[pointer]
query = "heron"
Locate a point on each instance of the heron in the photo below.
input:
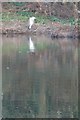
(79, 11)
(31, 22)
(31, 46)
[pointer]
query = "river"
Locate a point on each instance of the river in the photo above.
(42, 84)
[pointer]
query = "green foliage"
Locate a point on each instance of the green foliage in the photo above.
(24, 16)
(41, 19)
(24, 13)
(8, 17)
(72, 21)
(78, 22)
(19, 3)
(0, 16)
(63, 21)
(52, 18)
(13, 17)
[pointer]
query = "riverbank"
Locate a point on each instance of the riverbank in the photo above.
(53, 29)
(55, 20)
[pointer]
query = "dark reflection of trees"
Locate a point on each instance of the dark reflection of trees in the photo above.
(40, 85)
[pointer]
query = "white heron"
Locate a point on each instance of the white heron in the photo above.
(79, 11)
(31, 46)
(31, 22)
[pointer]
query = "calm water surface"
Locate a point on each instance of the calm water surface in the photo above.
(40, 85)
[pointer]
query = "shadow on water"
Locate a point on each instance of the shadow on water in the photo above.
(43, 84)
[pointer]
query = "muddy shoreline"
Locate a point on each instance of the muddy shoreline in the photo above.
(54, 30)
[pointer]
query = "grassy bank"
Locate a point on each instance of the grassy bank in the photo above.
(24, 16)
(17, 22)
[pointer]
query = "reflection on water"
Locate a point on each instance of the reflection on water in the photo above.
(42, 85)
(31, 46)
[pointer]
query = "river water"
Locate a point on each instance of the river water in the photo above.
(43, 84)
